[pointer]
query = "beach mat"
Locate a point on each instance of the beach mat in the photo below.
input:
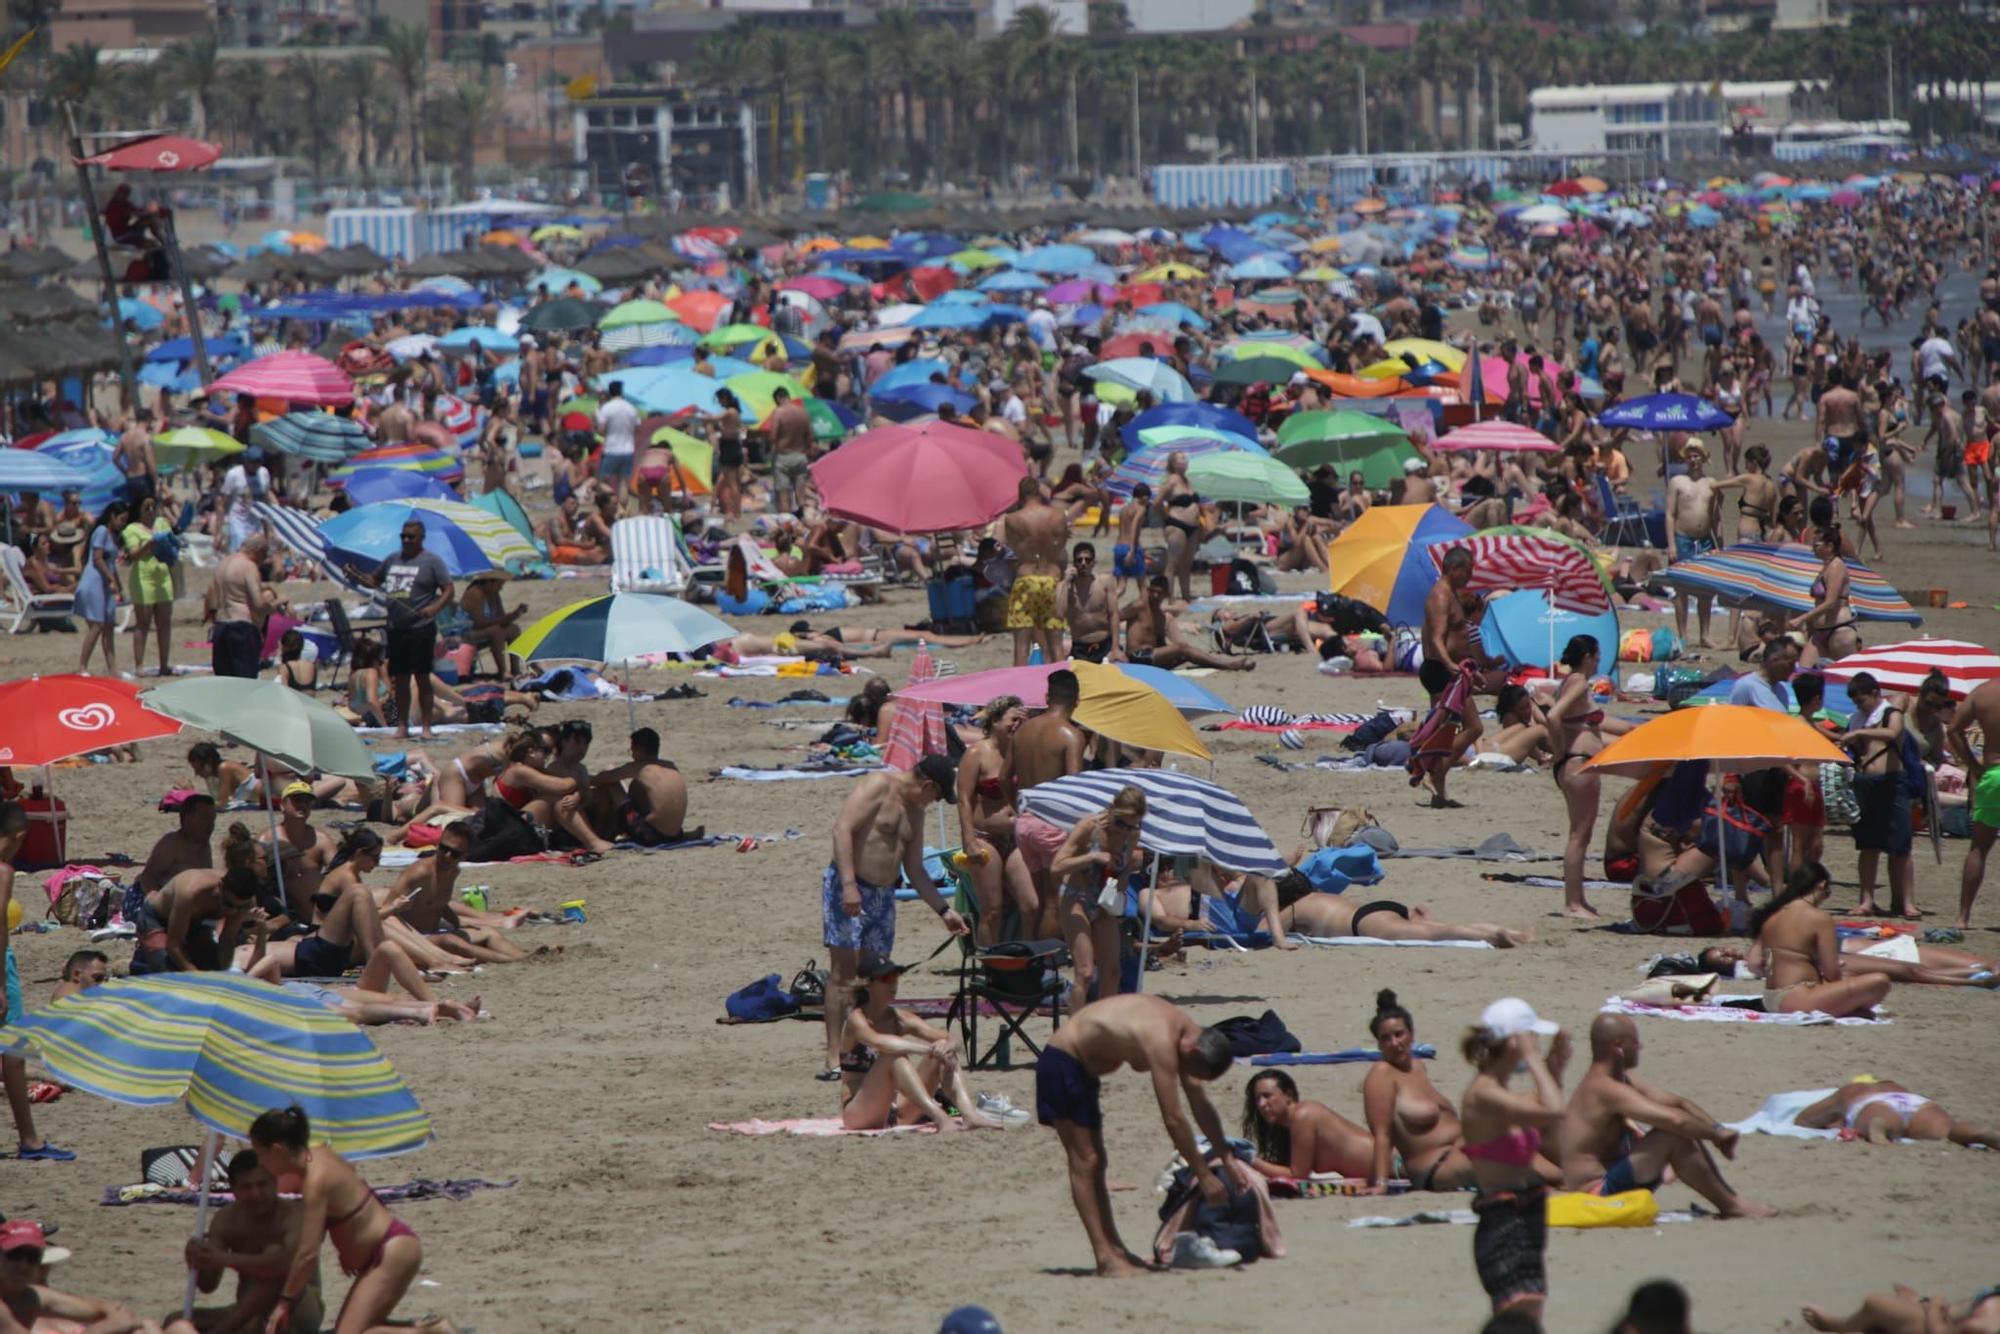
(1399, 944)
(1423, 1051)
(1733, 1014)
(810, 1127)
(1776, 1116)
(1466, 1218)
(409, 1192)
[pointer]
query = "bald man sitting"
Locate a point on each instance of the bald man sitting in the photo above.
(1599, 1153)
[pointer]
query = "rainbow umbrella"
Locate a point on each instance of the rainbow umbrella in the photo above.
(1765, 574)
(414, 457)
(1380, 558)
(754, 391)
(467, 538)
(1122, 707)
(618, 628)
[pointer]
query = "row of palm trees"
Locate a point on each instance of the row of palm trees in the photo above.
(908, 98)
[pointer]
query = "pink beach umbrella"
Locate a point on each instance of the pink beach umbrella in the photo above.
(930, 477)
(294, 377)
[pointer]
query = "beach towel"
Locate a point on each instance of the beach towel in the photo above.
(1493, 848)
(1775, 1117)
(1423, 1051)
(409, 1192)
(1330, 1185)
(1400, 944)
(1436, 739)
(1552, 881)
(1725, 1013)
(1466, 1218)
(831, 701)
(748, 774)
(822, 1127)
(441, 729)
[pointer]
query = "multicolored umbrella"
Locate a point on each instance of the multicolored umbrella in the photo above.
(1902, 668)
(1524, 558)
(465, 537)
(1148, 463)
(927, 478)
(1765, 574)
(755, 389)
(293, 377)
(1185, 816)
(1120, 706)
(618, 628)
(231, 1048)
(1380, 558)
(415, 457)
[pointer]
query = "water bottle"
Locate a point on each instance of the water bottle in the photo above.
(1035, 658)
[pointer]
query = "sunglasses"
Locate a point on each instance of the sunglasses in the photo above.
(1127, 825)
(23, 1256)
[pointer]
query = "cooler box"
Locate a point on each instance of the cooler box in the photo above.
(951, 600)
(48, 833)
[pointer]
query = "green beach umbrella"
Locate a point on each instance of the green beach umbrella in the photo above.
(1337, 424)
(1253, 479)
(628, 313)
(1264, 368)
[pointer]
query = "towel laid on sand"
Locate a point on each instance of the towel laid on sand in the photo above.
(1775, 1117)
(1423, 1051)
(409, 1192)
(815, 1127)
(1399, 944)
(1553, 881)
(1465, 1217)
(1731, 1014)
(441, 729)
(746, 774)
(1493, 848)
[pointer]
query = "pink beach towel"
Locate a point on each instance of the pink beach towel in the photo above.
(815, 1127)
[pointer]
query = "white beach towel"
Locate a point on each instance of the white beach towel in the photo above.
(1775, 1117)
(1730, 1014)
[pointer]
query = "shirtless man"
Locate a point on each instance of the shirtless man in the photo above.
(1839, 426)
(134, 457)
(1806, 473)
(1418, 486)
(1151, 1036)
(1599, 1154)
(1153, 636)
(26, 1304)
(1128, 557)
(791, 451)
(242, 601)
(1447, 642)
(654, 805)
(255, 1236)
(1982, 773)
(188, 847)
(395, 424)
(1047, 747)
(422, 899)
(1038, 534)
(1694, 509)
(1948, 432)
(877, 840)
(304, 851)
(1086, 603)
(534, 395)
(82, 971)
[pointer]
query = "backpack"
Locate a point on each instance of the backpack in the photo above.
(1916, 778)
(1243, 578)
(761, 1002)
(499, 833)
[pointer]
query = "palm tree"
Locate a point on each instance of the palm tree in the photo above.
(308, 79)
(194, 68)
(776, 54)
(246, 94)
(899, 41)
(75, 77)
(363, 86)
(408, 45)
(461, 114)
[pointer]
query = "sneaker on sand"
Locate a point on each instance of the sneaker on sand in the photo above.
(1194, 1251)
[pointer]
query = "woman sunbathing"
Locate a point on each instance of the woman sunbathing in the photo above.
(1296, 1139)
(1415, 1128)
(231, 781)
(891, 1062)
(1299, 909)
(1935, 966)
(1904, 1312)
(1882, 1111)
(1796, 954)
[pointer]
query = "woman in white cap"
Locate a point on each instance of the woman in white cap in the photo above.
(1503, 1136)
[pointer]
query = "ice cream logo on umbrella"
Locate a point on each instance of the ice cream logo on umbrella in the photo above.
(88, 718)
(169, 158)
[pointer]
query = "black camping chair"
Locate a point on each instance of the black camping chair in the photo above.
(1019, 978)
(347, 632)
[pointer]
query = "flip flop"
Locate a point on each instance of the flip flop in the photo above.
(48, 1153)
(829, 1075)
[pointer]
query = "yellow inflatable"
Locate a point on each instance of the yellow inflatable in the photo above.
(1631, 1208)
(13, 916)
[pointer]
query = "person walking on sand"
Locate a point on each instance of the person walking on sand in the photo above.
(1038, 535)
(1447, 641)
(1149, 1035)
(1600, 1155)
(877, 839)
(1982, 772)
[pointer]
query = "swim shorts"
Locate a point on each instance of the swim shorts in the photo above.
(16, 1008)
(874, 929)
(1805, 804)
(1031, 605)
(1977, 453)
(1128, 562)
(1065, 1091)
(1040, 840)
(1883, 821)
(1434, 676)
(1687, 548)
(1986, 799)
(1619, 1178)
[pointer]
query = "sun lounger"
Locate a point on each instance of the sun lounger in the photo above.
(647, 556)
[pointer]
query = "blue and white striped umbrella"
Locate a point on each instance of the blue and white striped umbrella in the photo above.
(91, 452)
(27, 470)
(319, 436)
(1185, 816)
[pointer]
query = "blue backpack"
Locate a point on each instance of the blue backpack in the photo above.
(761, 1002)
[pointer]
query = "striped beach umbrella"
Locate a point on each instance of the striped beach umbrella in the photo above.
(293, 377)
(1503, 436)
(460, 418)
(1901, 668)
(319, 436)
(1526, 559)
(1148, 463)
(415, 457)
(1185, 816)
(1765, 574)
(466, 537)
(917, 729)
(618, 628)
(231, 1048)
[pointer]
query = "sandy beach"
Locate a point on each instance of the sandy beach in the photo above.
(593, 1082)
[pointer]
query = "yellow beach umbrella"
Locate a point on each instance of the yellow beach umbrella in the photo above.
(1426, 349)
(1171, 272)
(1130, 711)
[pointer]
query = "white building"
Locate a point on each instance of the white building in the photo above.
(1662, 120)
(1159, 16)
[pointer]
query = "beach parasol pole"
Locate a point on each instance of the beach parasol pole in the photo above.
(277, 848)
(1145, 932)
(205, 1165)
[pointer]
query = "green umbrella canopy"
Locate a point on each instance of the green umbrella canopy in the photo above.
(1256, 370)
(1249, 478)
(269, 717)
(1337, 425)
(1380, 459)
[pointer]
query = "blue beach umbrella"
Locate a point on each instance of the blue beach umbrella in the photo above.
(1521, 626)
(319, 436)
(1185, 694)
(618, 628)
(914, 372)
(1667, 412)
(468, 540)
(368, 486)
(481, 336)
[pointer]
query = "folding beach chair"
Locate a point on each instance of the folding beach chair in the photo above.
(647, 556)
(1018, 978)
(1625, 524)
(23, 606)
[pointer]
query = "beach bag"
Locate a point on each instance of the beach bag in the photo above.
(167, 548)
(500, 833)
(1349, 616)
(1637, 646)
(1836, 785)
(1242, 581)
(1628, 1208)
(761, 1002)
(808, 989)
(1244, 1223)
(1263, 1036)
(1335, 826)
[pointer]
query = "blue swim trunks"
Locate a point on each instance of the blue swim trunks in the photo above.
(873, 930)
(15, 1006)
(1128, 562)
(1686, 548)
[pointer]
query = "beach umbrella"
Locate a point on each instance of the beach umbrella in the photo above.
(187, 445)
(142, 315)
(292, 377)
(1171, 313)
(916, 371)
(1667, 412)
(32, 470)
(1503, 436)
(917, 728)
(467, 538)
(1186, 694)
(735, 335)
(1166, 384)
(1901, 668)
(44, 719)
(1058, 258)
(229, 1048)
(1255, 479)
(1119, 705)
(1148, 463)
(1255, 370)
(619, 627)
(820, 286)
(550, 281)
(1012, 280)
(1528, 631)
(416, 456)
(694, 459)
(1379, 559)
(555, 231)
(503, 506)
(928, 478)
(903, 402)
(1180, 435)
(699, 309)
(1781, 577)
(269, 717)
(1417, 351)
(627, 313)
(1374, 446)
(1337, 425)
(1732, 737)
(1171, 272)
(1291, 348)
(1529, 558)
(563, 315)
(755, 388)
(321, 437)
(671, 389)
(1188, 414)
(480, 336)
(1536, 215)
(368, 486)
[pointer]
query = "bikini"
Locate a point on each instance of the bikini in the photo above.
(1822, 636)
(1509, 1247)
(1774, 997)
(1516, 1148)
(1595, 718)
(1905, 1105)
(513, 796)
(397, 1228)
(1179, 502)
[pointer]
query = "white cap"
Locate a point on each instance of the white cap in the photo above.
(1510, 1015)
(1414, 466)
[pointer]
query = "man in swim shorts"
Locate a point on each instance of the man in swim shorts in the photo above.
(646, 798)
(877, 840)
(1038, 535)
(1599, 1155)
(1145, 1033)
(1982, 769)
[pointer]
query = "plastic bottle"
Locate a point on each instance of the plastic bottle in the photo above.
(1035, 658)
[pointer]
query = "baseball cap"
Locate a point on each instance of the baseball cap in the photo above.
(20, 1234)
(943, 776)
(298, 788)
(873, 966)
(1510, 1015)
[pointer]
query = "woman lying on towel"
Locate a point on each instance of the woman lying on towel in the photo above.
(1882, 1111)
(1904, 1312)
(1296, 1138)
(1935, 965)
(1796, 954)
(1290, 905)
(1414, 1128)
(890, 1061)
